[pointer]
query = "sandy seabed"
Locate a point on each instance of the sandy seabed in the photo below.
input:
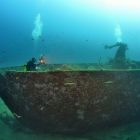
(10, 130)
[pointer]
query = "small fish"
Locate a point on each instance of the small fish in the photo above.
(17, 116)
(43, 40)
(17, 78)
(70, 83)
(108, 82)
(3, 51)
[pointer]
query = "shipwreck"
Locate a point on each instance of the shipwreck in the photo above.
(69, 99)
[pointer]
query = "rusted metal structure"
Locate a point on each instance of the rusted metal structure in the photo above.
(72, 101)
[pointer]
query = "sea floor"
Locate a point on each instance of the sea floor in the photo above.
(12, 130)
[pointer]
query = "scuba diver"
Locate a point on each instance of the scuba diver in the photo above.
(31, 65)
(119, 61)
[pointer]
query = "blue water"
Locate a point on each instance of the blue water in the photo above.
(74, 31)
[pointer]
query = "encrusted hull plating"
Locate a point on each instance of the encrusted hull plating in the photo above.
(72, 101)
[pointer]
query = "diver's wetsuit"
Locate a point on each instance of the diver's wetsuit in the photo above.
(121, 52)
(119, 60)
(31, 66)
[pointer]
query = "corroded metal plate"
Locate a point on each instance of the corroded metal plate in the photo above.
(72, 101)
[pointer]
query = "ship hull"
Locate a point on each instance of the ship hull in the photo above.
(72, 101)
